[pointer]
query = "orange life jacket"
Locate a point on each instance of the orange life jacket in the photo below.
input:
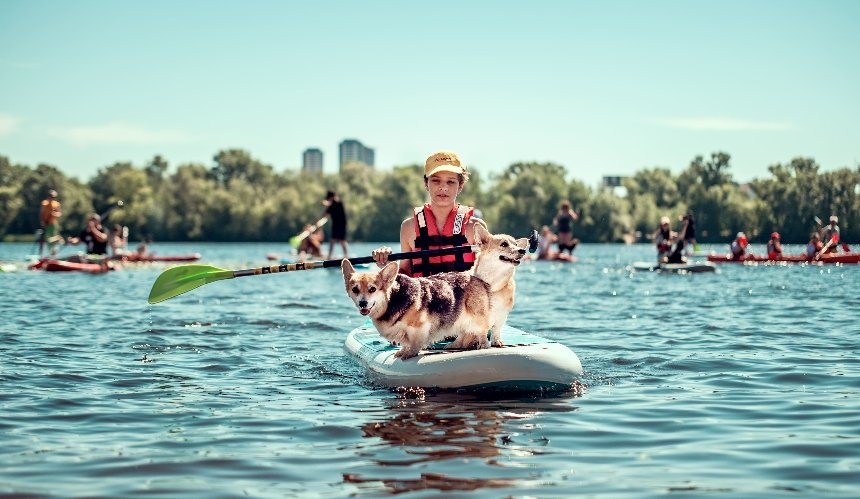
(427, 237)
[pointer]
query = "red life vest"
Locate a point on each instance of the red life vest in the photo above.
(427, 237)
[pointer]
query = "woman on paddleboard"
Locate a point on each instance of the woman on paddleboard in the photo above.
(563, 220)
(441, 223)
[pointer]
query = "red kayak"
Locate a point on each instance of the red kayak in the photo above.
(134, 257)
(50, 265)
(828, 258)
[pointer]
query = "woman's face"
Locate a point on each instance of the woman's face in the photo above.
(443, 187)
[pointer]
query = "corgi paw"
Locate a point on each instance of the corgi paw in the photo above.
(498, 342)
(404, 354)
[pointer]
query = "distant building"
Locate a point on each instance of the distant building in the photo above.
(353, 150)
(612, 181)
(312, 160)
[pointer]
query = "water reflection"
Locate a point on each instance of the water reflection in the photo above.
(493, 436)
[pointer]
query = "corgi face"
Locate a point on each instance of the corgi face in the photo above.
(501, 246)
(369, 291)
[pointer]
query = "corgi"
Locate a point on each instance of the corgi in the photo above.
(417, 312)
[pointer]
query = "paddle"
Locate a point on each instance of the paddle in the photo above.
(184, 278)
(823, 250)
(104, 216)
(297, 239)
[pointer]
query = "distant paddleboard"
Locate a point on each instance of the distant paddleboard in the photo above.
(676, 268)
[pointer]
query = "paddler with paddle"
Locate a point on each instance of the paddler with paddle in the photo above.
(335, 211)
(441, 223)
(830, 237)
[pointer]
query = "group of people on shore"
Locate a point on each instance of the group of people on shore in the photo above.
(94, 236)
(823, 241)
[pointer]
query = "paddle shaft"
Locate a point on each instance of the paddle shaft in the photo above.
(327, 264)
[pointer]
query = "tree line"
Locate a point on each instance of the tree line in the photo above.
(239, 198)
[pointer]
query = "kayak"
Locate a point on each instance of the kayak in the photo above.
(134, 257)
(50, 265)
(8, 267)
(828, 258)
(674, 268)
(527, 362)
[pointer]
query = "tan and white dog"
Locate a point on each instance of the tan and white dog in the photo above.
(417, 312)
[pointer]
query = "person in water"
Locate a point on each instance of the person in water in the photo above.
(336, 212)
(774, 247)
(94, 236)
(441, 223)
(739, 246)
(563, 221)
(49, 218)
(830, 235)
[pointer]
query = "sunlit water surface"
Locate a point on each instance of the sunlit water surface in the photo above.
(739, 383)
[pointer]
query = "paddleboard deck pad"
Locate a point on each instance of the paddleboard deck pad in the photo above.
(527, 362)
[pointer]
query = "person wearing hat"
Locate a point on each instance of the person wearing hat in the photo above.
(739, 246)
(774, 247)
(49, 218)
(335, 211)
(663, 240)
(830, 236)
(441, 223)
(94, 236)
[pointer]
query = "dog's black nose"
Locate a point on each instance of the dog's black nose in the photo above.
(362, 303)
(521, 251)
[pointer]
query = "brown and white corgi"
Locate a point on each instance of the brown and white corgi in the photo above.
(417, 312)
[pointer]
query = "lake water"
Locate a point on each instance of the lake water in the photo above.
(740, 383)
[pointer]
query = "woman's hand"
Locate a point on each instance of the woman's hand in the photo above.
(380, 256)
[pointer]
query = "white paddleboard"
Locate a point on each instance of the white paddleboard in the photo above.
(527, 362)
(678, 268)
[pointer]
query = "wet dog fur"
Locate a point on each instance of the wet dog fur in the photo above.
(417, 312)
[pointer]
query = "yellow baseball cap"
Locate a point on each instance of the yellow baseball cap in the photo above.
(443, 161)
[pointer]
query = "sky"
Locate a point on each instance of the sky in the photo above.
(600, 87)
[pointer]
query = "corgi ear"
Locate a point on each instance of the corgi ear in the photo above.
(347, 268)
(388, 275)
(482, 235)
(523, 243)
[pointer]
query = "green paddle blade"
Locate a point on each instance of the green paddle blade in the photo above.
(295, 241)
(183, 278)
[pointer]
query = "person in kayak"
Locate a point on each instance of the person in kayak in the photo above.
(94, 236)
(441, 223)
(563, 221)
(830, 236)
(814, 245)
(336, 212)
(118, 240)
(49, 218)
(739, 246)
(774, 247)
